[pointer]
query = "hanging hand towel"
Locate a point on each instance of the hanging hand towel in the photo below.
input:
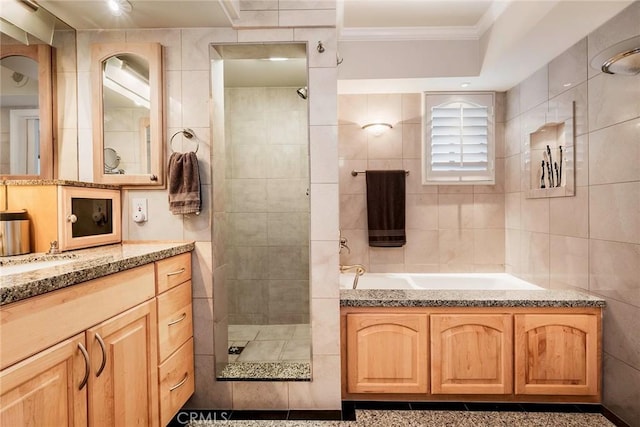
(184, 184)
(386, 208)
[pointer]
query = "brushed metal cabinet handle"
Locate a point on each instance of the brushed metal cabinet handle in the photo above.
(104, 354)
(184, 380)
(180, 319)
(85, 355)
(175, 273)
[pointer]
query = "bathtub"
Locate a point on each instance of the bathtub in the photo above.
(440, 281)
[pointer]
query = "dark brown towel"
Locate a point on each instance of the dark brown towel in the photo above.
(184, 184)
(386, 208)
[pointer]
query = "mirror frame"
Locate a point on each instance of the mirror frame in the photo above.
(152, 52)
(42, 54)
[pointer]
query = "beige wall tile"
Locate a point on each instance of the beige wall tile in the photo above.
(352, 142)
(171, 42)
(203, 325)
(456, 246)
(621, 340)
(512, 174)
(512, 210)
(348, 183)
(569, 262)
(307, 18)
(358, 242)
(411, 141)
(68, 150)
(534, 258)
(387, 145)
(353, 212)
(489, 246)
(322, 93)
(202, 271)
(621, 392)
(488, 211)
(512, 104)
(614, 153)
(455, 211)
(535, 214)
(195, 88)
(614, 269)
(513, 136)
(560, 108)
(568, 215)
(324, 274)
(421, 247)
(325, 326)
(251, 395)
(195, 45)
(160, 221)
(323, 393)
(265, 35)
(534, 89)
(329, 38)
(324, 212)
(324, 154)
(568, 69)
(411, 108)
(613, 100)
(386, 256)
(422, 211)
(582, 160)
(258, 18)
(209, 393)
(512, 251)
(614, 212)
(352, 110)
(384, 108)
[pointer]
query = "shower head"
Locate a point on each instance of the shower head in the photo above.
(302, 92)
(621, 58)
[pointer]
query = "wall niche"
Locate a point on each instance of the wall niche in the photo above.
(550, 157)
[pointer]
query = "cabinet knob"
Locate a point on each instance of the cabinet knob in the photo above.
(153, 178)
(72, 219)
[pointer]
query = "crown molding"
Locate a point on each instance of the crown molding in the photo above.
(409, 33)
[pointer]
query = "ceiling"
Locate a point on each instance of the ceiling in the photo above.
(399, 45)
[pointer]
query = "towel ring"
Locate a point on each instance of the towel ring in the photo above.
(187, 133)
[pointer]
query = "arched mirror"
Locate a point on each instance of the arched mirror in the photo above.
(127, 114)
(26, 112)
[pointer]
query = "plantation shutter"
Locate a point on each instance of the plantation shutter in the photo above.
(459, 143)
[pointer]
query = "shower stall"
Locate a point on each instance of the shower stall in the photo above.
(264, 225)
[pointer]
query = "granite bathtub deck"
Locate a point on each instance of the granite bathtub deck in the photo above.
(467, 298)
(265, 371)
(86, 264)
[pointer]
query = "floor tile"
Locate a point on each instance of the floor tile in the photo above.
(261, 351)
(275, 332)
(243, 332)
(296, 350)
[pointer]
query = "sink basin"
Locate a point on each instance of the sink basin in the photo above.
(6, 270)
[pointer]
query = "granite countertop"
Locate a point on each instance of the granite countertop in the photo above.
(467, 298)
(83, 265)
(62, 182)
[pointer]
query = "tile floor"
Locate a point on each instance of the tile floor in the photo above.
(271, 343)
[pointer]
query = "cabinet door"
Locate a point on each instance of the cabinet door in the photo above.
(123, 385)
(387, 353)
(471, 354)
(557, 354)
(45, 388)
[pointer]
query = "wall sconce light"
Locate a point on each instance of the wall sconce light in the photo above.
(377, 128)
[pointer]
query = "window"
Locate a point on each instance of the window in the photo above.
(458, 139)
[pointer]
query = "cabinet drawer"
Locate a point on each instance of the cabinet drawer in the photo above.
(172, 271)
(175, 319)
(176, 381)
(33, 324)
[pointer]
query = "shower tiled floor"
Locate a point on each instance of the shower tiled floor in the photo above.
(271, 343)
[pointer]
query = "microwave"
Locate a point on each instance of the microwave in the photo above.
(74, 217)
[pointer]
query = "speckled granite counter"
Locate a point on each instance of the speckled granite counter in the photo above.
(265, 371)
(465, 298)
(62, 182)
(85, 264)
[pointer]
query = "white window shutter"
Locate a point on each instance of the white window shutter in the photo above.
(459, 144)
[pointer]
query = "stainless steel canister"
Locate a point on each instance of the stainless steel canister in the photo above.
(14, 233)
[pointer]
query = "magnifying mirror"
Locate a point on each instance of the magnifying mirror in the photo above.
(111, 161)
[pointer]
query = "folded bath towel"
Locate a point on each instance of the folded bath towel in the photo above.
(386, 208)
(184, 184)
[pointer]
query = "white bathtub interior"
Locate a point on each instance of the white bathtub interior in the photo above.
(437, 281)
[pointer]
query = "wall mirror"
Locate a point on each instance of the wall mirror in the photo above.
(261, 217)
(127, 114)
(550, 156)
(26, 111)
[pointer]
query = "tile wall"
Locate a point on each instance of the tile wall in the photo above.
(267, 158)
(456, 228)
(591, 241)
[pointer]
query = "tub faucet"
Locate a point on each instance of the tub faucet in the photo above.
(359, 268)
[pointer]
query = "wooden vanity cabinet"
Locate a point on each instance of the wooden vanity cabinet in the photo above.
(114, 321)
(471, 353)
(557, 354)
(387, 353)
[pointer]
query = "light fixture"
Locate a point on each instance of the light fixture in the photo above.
(277, 58)
(302, 92)
(566, 84)
(377, 128)
(465, 84)
(621, 58)
(118, 7)
(122, 79)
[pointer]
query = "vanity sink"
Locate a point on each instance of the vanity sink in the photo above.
(27, 264)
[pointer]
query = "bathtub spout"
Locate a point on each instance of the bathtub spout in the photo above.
(359, 268)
